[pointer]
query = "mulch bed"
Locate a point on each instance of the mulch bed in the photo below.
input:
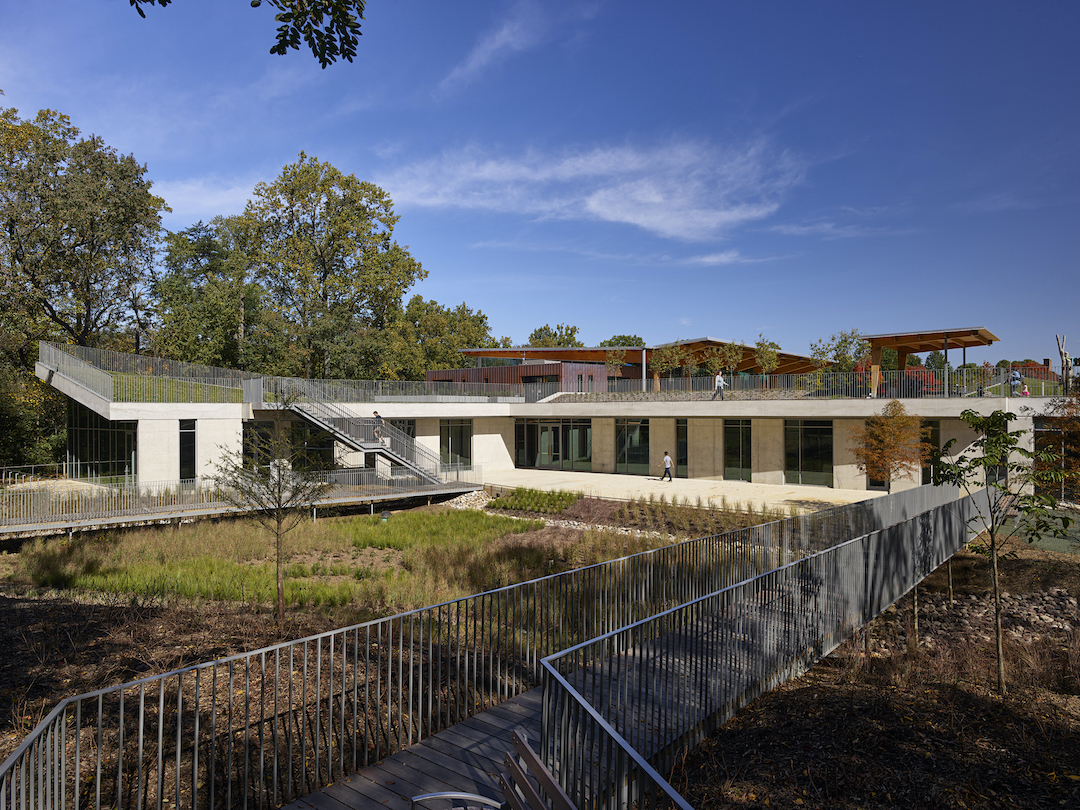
(902, 732)
(893, 734)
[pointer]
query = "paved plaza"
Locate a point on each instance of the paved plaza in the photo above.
(625, 487)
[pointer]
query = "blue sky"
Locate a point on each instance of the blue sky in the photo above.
(671, 170)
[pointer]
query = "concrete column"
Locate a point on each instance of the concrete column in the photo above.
(767, 451)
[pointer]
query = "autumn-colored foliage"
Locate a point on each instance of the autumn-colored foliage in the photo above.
(891, 443)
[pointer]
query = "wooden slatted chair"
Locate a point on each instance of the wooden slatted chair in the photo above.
(518, 792)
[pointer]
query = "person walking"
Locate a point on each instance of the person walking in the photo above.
(720, 385)
(666, 463)
(378, 427)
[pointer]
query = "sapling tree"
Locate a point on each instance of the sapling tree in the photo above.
(766, 355)
(276, 476)
(891, 444)
(1019, 503)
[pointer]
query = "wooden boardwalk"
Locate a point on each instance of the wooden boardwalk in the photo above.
(663, 688)
(466, 757)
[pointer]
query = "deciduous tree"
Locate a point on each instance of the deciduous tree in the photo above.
(330, 28)
(843, 350)
(562, 335)
(766, 355)
(432, 336)
(1020, 495)
(622, 341)
(77, 225)
(323, 249)
(891, 444)
(273, 478)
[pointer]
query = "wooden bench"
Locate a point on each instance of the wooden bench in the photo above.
(518, 792)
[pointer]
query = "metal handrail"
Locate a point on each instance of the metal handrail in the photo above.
(635, 698)
(277, 723)
(87, 501)
(366, 430)
(191, 382)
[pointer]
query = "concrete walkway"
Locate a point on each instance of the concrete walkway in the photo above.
(625, 487)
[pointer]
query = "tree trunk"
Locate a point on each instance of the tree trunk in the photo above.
(997, 614)
(280, 578)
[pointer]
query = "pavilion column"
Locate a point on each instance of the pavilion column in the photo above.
(901, 359)
(875, 369)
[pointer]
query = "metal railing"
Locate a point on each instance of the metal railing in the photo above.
(620, 709)
(304, 396)
(121, 377)
(262, 728)
(913, 383)
(80, 502)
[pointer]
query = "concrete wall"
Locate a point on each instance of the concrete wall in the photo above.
(427, 433)
(846, 474)
(603, 445)
(214, 438)
(493, 443)
(767, 451)
(159, 449)
(661, 438)
(705, 451)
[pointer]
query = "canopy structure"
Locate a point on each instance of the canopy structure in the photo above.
(907, 343)
(642, 355)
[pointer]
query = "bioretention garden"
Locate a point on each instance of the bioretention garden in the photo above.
(914, 723)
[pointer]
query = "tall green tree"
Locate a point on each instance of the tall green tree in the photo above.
(322, 246)
(432, 336)
(1021, 500)
(562, 335)
(330, 28)
(622, 341)
(207, 302)
(78, 225)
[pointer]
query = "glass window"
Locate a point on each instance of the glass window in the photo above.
(632, 446)
(406, 426)
(98, 448)
(187, 449)
(737, 461)
(455, 441)
(934, 440)
(564, 444)
(808, 456)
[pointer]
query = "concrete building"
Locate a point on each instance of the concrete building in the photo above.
(156, 420)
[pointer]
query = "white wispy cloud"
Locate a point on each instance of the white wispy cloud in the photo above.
(681, 189)
(524, 28)
(716, 259)
(205, 197)
(831, 230)
(994, 203)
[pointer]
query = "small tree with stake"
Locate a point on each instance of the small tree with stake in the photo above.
(274, 478)
(1019, 503)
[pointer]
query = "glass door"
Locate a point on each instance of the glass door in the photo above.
(550, 446)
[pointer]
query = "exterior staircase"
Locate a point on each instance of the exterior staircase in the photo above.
(366, 434)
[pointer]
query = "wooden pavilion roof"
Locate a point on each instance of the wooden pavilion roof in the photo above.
(789, 363)
(918, 342)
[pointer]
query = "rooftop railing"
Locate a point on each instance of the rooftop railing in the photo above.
(265, 727)
(120, 377)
